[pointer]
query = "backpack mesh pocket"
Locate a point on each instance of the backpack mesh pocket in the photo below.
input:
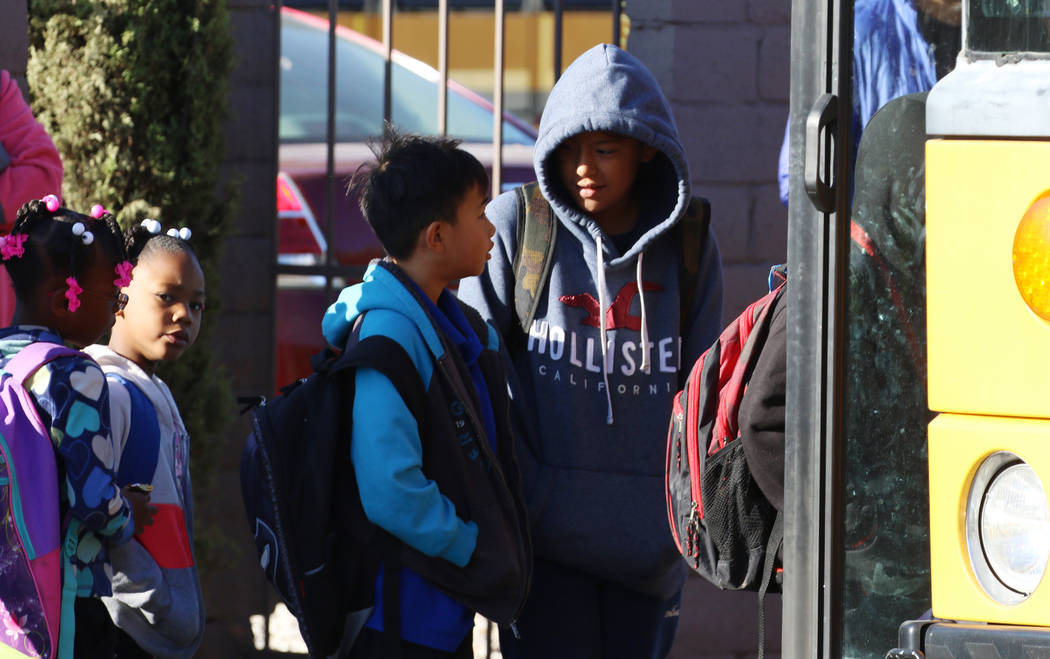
(737, 516)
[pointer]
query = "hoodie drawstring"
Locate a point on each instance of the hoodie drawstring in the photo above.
(646, 360)
(603, 299)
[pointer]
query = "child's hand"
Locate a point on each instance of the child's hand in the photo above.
(140, 507)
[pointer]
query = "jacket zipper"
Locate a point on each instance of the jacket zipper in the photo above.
(692, 418)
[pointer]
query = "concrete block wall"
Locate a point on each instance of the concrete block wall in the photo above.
(14, 40)
(724, 66)
(235, 590)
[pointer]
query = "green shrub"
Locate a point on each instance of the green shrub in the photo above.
(134, 94)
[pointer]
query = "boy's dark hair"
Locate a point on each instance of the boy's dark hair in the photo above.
(413, 181)
(52, 248)
(140, 243)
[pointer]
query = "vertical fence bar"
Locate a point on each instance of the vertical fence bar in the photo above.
(388, 51)
(617, 10)
(329, 214)
(497, 169)
(442, 67)
(497, 102)
(559, 8)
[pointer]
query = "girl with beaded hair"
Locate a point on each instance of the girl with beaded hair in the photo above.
(156, 608)
(67, 269)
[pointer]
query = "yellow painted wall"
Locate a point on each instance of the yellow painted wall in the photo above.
(529, 44)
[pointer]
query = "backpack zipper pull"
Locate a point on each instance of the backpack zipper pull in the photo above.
(514, 629)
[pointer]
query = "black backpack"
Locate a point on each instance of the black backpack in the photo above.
(315, 544)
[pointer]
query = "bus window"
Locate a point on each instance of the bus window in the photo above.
(905, 47)
(997, 27)
(886, 561)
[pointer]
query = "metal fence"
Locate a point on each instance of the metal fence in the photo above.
(331, 269)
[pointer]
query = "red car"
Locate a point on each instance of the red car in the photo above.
(302, 182)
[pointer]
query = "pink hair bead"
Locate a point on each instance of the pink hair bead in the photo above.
(97, 211)
(51, 202)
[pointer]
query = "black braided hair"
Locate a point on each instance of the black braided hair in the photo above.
(52, 249)
(139, 243)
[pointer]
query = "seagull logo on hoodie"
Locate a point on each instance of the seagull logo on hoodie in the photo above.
(618, 315)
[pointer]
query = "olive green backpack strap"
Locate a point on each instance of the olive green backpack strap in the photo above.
(692, 238)
(537, 228)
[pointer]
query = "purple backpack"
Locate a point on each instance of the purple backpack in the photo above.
(30, 551)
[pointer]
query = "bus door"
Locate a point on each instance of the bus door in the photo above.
(857, 559)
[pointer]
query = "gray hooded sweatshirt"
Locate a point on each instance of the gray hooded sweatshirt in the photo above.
(157, 597)
(593, 418)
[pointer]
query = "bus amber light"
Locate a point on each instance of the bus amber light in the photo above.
(1031, 256)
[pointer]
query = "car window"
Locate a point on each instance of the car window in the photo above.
(359, 93)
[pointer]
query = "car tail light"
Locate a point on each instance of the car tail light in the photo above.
(299, 238)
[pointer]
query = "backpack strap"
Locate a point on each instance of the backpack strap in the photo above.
(692, 239)
(25, 363)
(537, 230)
(753, 325)
(773, 547)
(388, 357)
(138, 460)
(27, 360)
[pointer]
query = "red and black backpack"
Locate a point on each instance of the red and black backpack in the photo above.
(723, 524)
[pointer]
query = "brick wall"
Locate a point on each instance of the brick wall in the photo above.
(724, 66)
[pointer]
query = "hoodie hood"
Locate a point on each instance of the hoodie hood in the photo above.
(608, 89)
(381, 288)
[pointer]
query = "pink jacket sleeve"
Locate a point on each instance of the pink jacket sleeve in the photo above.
(36, 168)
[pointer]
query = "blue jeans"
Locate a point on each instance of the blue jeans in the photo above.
(574, 615)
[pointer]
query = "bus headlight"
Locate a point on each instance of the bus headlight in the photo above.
(1031, 256)
(1007, 528)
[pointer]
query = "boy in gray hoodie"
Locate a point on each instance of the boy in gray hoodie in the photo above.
(595, 372)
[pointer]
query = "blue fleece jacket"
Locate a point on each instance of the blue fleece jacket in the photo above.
(593, 421)
(387, 456)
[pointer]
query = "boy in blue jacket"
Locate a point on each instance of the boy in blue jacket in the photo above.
(601, 361)
(447, 489)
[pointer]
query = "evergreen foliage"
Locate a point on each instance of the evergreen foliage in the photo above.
(134, 95)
